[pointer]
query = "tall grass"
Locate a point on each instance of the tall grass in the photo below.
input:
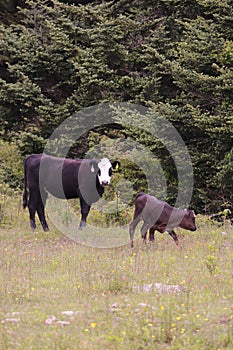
(105, 290)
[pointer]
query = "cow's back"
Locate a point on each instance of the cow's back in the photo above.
(53, 179)
(69, 178)
(63, 178)
(44, 172)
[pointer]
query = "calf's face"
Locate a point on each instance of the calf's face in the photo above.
(188, 221)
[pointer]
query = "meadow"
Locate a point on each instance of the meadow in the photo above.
(58, 294)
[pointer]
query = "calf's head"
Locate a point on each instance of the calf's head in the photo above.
(188, 221)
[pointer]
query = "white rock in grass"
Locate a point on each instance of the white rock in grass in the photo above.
(159, 288)
(50, 320)
(13, 320)
(146, 305)
(114, 307)
(63, 323)
(68, 313)
(15, 313)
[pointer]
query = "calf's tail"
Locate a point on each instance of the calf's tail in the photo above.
(25, 192)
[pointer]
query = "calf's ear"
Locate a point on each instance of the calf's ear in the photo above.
(191, 213)
(116, 165)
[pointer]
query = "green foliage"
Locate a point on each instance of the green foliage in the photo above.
(11, 171)
(176, 57)
(11, 178)
(224, 178)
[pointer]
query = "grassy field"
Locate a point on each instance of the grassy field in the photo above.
(57, 294)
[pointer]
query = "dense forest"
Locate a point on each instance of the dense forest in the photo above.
(176, 57)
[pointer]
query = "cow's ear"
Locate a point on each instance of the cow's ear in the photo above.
(116, 165)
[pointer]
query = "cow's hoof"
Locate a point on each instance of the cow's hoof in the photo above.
(82, 226)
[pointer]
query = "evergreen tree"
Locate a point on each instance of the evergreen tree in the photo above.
(57, 57)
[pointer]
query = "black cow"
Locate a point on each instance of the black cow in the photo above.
(160, 216)
(64, 178)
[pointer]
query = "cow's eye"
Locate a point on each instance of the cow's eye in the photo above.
(99, 172)
(110, 172)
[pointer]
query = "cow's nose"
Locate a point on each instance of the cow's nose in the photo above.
(105, 183)
(194, 229)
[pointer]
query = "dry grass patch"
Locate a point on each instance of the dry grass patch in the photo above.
(95, 298)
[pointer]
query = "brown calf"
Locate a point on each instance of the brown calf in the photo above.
(160, 216)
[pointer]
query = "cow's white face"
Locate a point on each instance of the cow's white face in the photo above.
(104, 172)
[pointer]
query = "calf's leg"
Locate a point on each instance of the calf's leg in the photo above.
(144, 230)
(132, 227)
(152, 234)
(174, 236)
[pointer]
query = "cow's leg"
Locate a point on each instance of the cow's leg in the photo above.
(32, 205)
(152, 234)
(174, 236)
(85, 208)
(40, 210)
(132, 227)
(144, 230)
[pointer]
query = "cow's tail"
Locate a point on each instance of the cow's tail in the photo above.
(25, 192)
